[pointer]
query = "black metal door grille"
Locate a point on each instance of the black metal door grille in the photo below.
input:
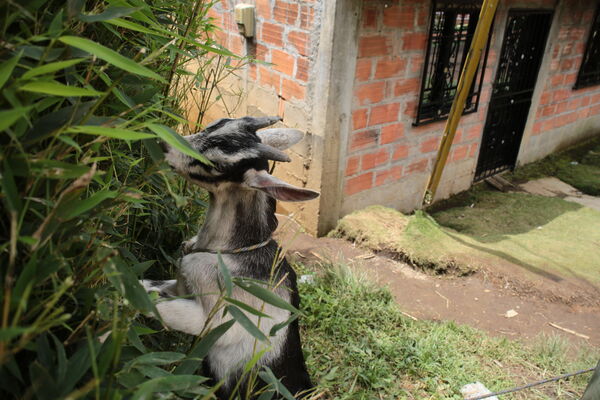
(519, 64)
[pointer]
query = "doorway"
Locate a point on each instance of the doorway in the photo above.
(520, 59)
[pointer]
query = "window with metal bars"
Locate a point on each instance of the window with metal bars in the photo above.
(589, 72)
(453, 24)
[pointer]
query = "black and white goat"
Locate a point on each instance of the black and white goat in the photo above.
(239, 223)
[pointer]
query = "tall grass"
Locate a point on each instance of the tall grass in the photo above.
(87, 89)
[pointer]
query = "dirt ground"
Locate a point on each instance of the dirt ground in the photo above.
(515, 307)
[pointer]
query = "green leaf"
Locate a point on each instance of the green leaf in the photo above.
(7, 67)
(269, 377)
(78, 207)
(265, 295)
(58, 169)
(174, 139)
(58, 89)
(245, 322)
(49, 68)
(152, 371)
(9, 188)
(169, 383)
(225, 274)
(158, 358)
(121, 276)
(110, 12)
(281, 325)
(116, 133)
(7, 334)
(123, 23)
(110, 56)
(201, 349)
(9, 117)
(246, 307)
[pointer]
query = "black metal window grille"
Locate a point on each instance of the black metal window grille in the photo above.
(451, 31)
(589, 72)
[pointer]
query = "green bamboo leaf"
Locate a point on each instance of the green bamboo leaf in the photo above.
(58, 89)
(116, 133)
(269, 377)
(246, 307)
(7, 67)
(169, 383)
(51, 67)
(7, 334)
(245, 322)
(225, 274)
(58, 169)
(78, 207)
(123, 23)
(151, 371)
(9, 117)
(110, 12)
(277, 327)
(121, 276)
(201, 349)
(174, 139)
(158, 358)
(9, 188)
(265, 295)
(110, 56)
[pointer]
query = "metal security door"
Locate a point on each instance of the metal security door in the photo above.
(520, 59)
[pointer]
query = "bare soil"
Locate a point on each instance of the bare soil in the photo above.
(483, 300)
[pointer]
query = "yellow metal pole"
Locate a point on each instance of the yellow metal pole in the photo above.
(486, 16)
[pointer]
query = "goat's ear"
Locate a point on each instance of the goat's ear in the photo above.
(277, 188)
(280, 138)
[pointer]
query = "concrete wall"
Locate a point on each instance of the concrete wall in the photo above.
(388, 160)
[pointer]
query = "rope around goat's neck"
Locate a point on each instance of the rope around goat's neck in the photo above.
(235, 251)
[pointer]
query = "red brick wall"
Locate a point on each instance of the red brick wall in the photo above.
(283, 38)
(385, 149)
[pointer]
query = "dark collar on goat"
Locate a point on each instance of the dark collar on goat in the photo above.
(235, 251)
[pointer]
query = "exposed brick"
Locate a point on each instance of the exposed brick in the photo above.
(302, 65)
(307, 16)
(269, 78)
(262, 52)
(400, 152)
(359, 118)
(272, 33)
(384, 113)
(391, 133)
(560, 95)
(399, 17)
(473, 150)
(407, 86)
(292, 90)
(369, 17)
(263, 8)
(370, 93)
(390, 67)
(390, 175)
(300, 41)
(363, 140)
(282, 62)
(363, 69)
(414, 41)
(375, 159)
(474, 132)
(286, 13)
(537, 128)
(372, 46)
(352, 165)
(431, 144)
(359, 183)
(460, 152)
(417, 166)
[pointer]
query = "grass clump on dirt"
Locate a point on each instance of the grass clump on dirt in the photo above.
(578, 166)
(416, 239)
(360, 346)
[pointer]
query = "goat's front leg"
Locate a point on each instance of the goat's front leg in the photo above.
(182, 315)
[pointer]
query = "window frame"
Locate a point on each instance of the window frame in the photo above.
(594, 29)
(424, 116)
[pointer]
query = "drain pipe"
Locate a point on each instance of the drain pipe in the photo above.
(482, 31)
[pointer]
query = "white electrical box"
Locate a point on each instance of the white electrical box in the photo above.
(244, 17)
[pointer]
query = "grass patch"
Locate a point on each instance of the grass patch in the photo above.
(544, 236)
(578, 166)
(360, 346)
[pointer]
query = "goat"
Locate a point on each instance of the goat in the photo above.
(239, 223)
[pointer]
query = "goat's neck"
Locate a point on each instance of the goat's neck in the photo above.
(237, 218)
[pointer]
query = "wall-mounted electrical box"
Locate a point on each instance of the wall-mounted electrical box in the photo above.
(244, 17)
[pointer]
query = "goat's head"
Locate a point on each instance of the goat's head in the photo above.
(240, 156)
